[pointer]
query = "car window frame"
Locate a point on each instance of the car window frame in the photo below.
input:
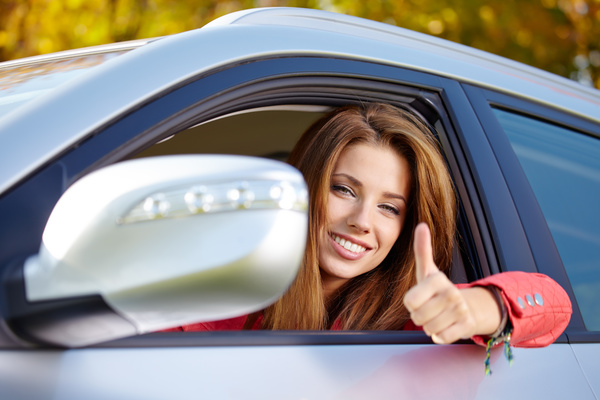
(538, 234)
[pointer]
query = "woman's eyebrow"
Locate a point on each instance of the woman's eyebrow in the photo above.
(350, 178)
(391, 195)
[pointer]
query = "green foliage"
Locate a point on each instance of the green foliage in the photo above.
(561, 36)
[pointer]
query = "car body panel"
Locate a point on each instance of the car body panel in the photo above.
(587, 356)
(25, 79)
(291, 372)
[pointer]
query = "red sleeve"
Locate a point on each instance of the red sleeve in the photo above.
(538, 307)
(232, 324)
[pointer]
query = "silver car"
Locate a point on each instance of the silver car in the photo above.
(142, 187)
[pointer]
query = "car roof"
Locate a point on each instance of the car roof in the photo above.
(134, 77)
(74, 53)
(424, 52)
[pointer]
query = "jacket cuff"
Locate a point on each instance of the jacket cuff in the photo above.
(538, 308)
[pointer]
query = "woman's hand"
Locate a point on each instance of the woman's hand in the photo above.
(445, 312)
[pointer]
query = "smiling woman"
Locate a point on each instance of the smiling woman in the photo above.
(379, 250)
(389, 152)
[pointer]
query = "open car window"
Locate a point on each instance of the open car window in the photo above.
(269, 132)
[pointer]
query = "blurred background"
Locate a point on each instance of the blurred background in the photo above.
(560, 36)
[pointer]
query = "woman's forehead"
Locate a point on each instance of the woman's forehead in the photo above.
(363, 152)
(374, 164)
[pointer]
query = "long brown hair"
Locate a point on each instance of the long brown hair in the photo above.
(374, 300)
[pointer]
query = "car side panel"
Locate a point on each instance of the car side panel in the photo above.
(588, 355)
(291, 372)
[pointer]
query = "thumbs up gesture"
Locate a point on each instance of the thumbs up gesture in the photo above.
(446, 312)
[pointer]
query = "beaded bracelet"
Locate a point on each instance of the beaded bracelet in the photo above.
(502, 334)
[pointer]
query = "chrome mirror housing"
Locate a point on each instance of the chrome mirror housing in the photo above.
(167, 241)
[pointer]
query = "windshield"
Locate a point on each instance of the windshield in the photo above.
(24, 82)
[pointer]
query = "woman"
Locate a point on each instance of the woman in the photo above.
(381, 231)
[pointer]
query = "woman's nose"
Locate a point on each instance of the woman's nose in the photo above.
(360, 218)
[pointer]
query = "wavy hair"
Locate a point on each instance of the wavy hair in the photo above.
(374, 300)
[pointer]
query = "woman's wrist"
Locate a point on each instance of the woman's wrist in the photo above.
(485, 309)
(503, 311)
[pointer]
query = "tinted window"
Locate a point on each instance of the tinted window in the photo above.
(563, 167)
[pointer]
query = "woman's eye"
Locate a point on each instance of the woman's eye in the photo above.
(390, 209)
(342, 189)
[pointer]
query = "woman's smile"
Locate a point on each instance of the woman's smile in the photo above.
(347, 245)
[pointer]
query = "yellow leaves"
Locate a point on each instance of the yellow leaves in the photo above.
(581, 7)
(449, 16)
(435, 26)
(563, 32)
(545, 33)
(49, 7)
(524, 38)
(72, 4)
(487, 14)
(45, 45)
(6, 38)
(549, 3)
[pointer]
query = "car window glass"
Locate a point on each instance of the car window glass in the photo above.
(563, 168)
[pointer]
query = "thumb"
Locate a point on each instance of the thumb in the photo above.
(425, 266)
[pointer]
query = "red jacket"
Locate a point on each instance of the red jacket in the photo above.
(538, 308)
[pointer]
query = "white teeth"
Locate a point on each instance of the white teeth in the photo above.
(348, 245)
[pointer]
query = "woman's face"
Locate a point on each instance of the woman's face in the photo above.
(367, 205)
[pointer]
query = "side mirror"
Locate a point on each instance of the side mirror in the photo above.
(154, 243)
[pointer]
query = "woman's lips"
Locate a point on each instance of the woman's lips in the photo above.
(347, 248)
